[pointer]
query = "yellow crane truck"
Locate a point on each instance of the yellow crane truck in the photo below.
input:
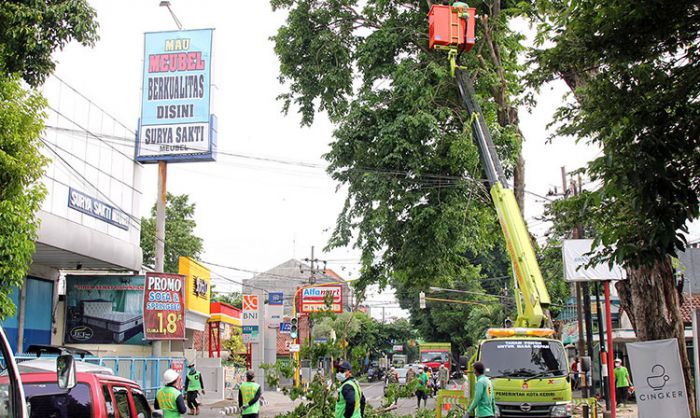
(527, 365)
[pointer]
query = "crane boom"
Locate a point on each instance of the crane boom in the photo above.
(535, 298)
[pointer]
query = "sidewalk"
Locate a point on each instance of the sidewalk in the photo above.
(629, 411)
(277, 403)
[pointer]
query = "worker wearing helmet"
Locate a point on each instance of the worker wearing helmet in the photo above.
(169, 399)
(249, 396)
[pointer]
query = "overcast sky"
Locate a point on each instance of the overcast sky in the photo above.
(254, 215)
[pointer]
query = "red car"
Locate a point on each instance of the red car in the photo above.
(96, 395)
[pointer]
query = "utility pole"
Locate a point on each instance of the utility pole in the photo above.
(161, 204)
(313, 263)
(580, 346)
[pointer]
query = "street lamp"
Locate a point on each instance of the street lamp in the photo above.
(166, 3)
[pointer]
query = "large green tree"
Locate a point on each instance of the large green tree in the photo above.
(180, 239)
(634, 70)
(416, 203)
(30, 32)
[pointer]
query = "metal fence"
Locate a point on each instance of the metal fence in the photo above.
(146, 371)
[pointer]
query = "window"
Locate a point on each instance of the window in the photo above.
(143, 410)
(121, 398)
(524, 358)
(433, 357)
(108, 401)
(48, 400)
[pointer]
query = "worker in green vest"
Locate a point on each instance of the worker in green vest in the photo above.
(169, 399)
(193, 385)
(249, 396)
(351, 401)
(484, 403)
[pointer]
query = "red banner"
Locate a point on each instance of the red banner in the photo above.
(179, 366)
(164, 306)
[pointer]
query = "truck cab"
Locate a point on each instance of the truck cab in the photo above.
(432, 355)
(529, 372)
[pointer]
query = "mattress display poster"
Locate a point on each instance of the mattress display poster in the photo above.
(164, 306)
(176, 123)
(104, 309)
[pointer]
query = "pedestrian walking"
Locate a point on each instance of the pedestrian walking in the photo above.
(249, 396)
(422, 391)
(168, 398)
(193, 385)
(574, 372)
(622, 383)
(444, 376)
(410, 375)
(484, 403)
(351, 401)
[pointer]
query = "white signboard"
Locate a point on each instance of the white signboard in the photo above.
(575, 260)
(658, 379)
(250, 318)
(294, 348)
(275, 309)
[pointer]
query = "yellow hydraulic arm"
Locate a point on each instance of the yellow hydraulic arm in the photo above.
(532, 298)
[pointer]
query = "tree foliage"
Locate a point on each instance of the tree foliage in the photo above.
(234, 299)
(235, 347)
(180, 239)
(637, 89)
(21, 167)
(29, 33)
(416, 204)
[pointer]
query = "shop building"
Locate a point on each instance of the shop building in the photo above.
(90, 216)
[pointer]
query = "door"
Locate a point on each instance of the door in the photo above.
(38, 308)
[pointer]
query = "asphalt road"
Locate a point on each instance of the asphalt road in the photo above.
(374, 393)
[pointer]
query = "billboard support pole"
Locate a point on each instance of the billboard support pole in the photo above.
(611, 351)
(160, 232)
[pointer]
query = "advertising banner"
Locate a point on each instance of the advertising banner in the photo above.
(275, 308)
(313, 299)
(658, 379)
(164, 306)
(198, 287)
(251, 318)
(575, 256)
(104, 310)
(176, 122)
(251, 334)
(178, 364)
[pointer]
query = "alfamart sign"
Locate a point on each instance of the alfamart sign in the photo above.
(313, 299)
(176, 123)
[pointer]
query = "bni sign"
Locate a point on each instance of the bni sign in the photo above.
(176, 122)
(251, 319)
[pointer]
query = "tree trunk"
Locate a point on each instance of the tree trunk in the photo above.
(651, 299)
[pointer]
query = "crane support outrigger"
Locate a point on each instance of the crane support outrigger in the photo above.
(529, 368)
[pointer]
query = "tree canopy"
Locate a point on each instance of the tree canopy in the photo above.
(416, 203)
(634, 72)
(29, 33)
(180, 239)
